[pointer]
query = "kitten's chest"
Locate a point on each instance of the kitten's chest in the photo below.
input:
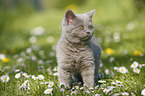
(78, 54)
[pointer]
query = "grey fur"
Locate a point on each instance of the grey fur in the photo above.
(78, 52)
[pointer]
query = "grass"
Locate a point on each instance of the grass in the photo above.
(125, 26)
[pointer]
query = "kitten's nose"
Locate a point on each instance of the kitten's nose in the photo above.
(88, 33)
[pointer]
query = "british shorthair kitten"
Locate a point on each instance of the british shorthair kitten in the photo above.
(78, 52)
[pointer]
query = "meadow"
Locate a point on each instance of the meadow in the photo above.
(28, 41)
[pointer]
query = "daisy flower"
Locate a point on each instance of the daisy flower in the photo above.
(101, 81)
(73, 93)
(48, 91)
(49, 71)
(55, 74)
(17, 70)
(136, 70)
(111, 59)
(143, 92)
(25, 75)
(124, 93)
(132, 94)
(117, 81)
(17, 75)
(122, 70)
(111, 87)
(5, 78)
(107, 71)
(25, 83)
(34, 78)
(81, 88)
(51, 84)
(40, 77)
(55, 69)
(116, 68)
(134, 64)
(97, 94)
(141, 65)
(2, 56)
(20, 60)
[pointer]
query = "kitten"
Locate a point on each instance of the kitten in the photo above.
(78, 52)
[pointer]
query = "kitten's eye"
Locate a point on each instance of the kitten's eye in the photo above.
(81, 27)
(90, 27)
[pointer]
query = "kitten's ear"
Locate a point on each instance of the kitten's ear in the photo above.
(91, 13)
(70, 16)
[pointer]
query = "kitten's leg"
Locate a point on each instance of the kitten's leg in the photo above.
(88, 76)
(97, 65)
(64, 77)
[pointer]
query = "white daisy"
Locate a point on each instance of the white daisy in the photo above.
(55, 74)
(25, 83)
(134, 64)
(107, 71)
(97, 94)
(101, 81)
(51, 84)
(34, 78)
(2, 56)
(117, 81)
(136, 70)
(33, 39)
(124, 93)
(17, 70)
(111, 59)
(5, 78)
(73, 93)
(116, 68)
(49, 71)
(25, 75)
(122, 70)
(17, 75)
(28, 50)
(40, 77)
(48, 91)
(143, 92)
(141, 65)
(55, 69)
(132, 94)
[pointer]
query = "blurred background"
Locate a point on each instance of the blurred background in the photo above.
(118, 23)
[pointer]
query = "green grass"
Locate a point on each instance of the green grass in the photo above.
(121, 18)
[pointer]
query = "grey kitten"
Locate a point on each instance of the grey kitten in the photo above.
(78, 52)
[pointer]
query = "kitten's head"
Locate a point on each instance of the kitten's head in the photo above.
(77, 28)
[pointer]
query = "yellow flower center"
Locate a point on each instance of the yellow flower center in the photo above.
(122, 69)
(5, 78)
(25, 74)
(50, 84)
(135, 69)
(48, 91)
